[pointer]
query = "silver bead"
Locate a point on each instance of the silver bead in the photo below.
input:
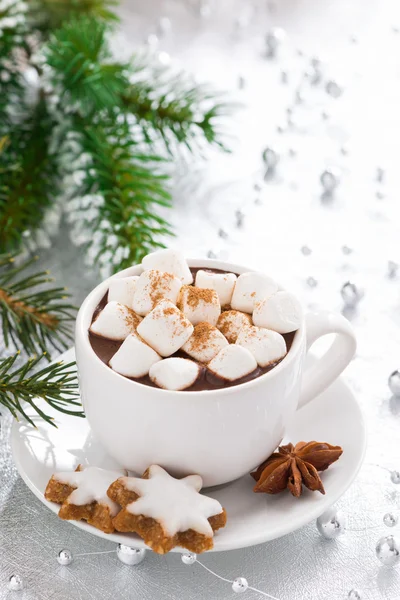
(239, 215)
(380, 174)
(241, 82)
(312, 282)
(390, 520)
(164, 25)
(284, 77)
(331, 524)
(350, 294)
(333, 89)
(15, 583)
(292, 152)
(240, 585)
(392, 269)
(329, 180)
(189, 558)
(354, 595)
(346, 250)
(270, 158)
(273, 40)
(130, 556)
(394, 385)
(325, 115)
(211, 254)
(65, 557)
(388, 550)
(222, 234)
(379, 195)
(305, 250)
(395, 477)
(344, 151)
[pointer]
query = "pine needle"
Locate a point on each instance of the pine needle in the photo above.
(56, 384)
(31, 317)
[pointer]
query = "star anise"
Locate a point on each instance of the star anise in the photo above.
(294, 466)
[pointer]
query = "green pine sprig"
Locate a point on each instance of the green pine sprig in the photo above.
(56, 384)
(79, 55)
(28, 176)
(132, 187)
(48, 15)
(32, 316)
(178, 111)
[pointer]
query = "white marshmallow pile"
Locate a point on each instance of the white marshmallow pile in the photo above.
(224, 323)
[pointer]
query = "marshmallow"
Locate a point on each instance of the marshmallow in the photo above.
(153, 286)
(174, 373)
(222, 283)
(231, 323)
(134, 358)
(165, 328)
(169, 261)
(251, 288)
(199, 304)
(205, 342)
(233, 362)
(115, 322)
(265, 345)
(122, 290)
(281, 312)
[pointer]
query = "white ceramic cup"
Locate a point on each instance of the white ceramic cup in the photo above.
(219, 434)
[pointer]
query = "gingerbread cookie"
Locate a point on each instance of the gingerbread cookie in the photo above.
(83, 496)
(167, 512)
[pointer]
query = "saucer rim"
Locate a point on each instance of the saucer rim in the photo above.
(220, 545)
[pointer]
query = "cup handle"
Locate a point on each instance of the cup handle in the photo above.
(325, 370)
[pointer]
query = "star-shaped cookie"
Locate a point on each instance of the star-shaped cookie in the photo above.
(167, 512)
(83, 495)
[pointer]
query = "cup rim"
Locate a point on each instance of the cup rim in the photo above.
(93, 298)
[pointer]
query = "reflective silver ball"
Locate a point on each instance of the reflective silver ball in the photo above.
(15, 583)
(388, 550)
(312, 282)
(380, 174)
(350, 294)
(284, 77)
(329, 180)
(394, 383)
(130, 556)
(240, 585)
(273, 40)
(390, 520)
(333, 89)
(306, 250)
(354, 595)
(65, 557)
(270, 158)
(189, 558)
(346, 250)
(395, 477)
(331, 524)
(392, 269)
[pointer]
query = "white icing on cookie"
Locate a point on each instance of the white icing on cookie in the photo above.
(174, 503)
(91, 485)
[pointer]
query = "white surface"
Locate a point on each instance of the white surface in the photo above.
(252, 518)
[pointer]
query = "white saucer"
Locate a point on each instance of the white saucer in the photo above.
(334, 417)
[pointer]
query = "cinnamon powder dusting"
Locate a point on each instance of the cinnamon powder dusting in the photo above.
(132, 320)
(159, 285)
(201, 336)
(193, 296)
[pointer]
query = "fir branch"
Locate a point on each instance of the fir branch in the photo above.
(79, 55)
(30, 316)
(12, 42)
(132, 187)
(48, 15)
(56, 384)
(28, 177)
(180, 111)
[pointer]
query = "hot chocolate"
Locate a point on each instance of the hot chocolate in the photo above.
(204, 316)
